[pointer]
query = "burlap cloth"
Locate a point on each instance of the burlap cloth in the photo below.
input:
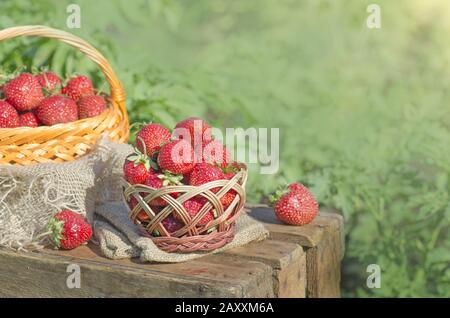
(91, 185)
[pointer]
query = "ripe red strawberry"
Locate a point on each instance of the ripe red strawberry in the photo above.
(23, 92)
(193, 206)
(69, 230)
(78, 87)
(49, 81)
(296, 206)
(28, 119)
(157, 181)
(171, 224)
(136, 168)
(57, 109)
(9, 118)
(195, 129)
(204, 173)
(215, 152)
(151, 137)
(90, 106)
(176, 157)
(296, 187)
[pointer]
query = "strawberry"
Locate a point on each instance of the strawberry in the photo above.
(136, 168)
(49, 81)
(90, 106)
(23, 92)
(57, 109)
(195, 129)
(296, 205)
(204, 173)
(157, 181)
(69, 230)
(176, 157)
(9, 118)
(142, 215)
(215, 152)
(296, 187)
(171, 224)
(28, 119)
(151, 137)
(78, 87)
(193, 206)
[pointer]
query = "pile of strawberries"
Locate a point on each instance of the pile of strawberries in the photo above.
(189, 155)
(43, 99)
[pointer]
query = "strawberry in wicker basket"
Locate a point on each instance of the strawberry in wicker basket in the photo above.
(41, 123)
(183, 190)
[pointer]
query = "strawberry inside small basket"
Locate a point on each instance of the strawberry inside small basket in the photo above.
(182, 188)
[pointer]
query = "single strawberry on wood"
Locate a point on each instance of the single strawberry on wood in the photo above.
(78, 87)
(23, 92)
(57, 109)
(295, 206)
(69, 230)
(151, 137)
(9, 118)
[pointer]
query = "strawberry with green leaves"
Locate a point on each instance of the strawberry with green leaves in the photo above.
(295, 205)
(137, 168)
(69, 230)
(157, 181)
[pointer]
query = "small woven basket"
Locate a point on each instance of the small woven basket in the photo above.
(192, 237)
(65, 142)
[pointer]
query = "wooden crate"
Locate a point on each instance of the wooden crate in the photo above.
(294, 262)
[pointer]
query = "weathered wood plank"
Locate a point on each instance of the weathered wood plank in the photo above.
(287, 260)
(295, 262)
(44, 275)
(323, 243)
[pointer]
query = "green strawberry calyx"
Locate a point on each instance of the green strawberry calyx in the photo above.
(275, 196)
(55, 228)
(141, 158)
(169, 178)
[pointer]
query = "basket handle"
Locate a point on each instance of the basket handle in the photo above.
(117, 92)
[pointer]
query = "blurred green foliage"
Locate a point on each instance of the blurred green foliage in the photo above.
(362, 112)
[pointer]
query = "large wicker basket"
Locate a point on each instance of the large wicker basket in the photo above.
(65, 142)
(191, 237)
